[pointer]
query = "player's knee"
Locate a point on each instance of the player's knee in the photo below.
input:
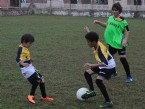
(38, 81)
(86, 74)
(42, 80)
(122, 56)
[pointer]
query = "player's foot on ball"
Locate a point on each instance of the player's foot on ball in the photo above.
(89, 94)
(31, 99)
(47, 99)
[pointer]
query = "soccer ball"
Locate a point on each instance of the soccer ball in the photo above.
(81, 92)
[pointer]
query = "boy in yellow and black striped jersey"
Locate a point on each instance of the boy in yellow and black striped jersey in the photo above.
(104, 67)
(28, 70)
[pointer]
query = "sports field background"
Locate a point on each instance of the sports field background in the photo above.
(60, 52)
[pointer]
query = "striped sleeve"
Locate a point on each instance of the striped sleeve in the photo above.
(103, 56)
(19, 54)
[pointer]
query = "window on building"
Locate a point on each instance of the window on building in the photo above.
(14, 3)
(130, 2)
(73, 1)
(137, 2)
(86, 1)
(103, 2)
(36, 1)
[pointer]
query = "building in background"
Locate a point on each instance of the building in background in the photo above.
(76, 4)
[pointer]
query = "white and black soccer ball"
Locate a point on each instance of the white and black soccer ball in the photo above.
(81, 92)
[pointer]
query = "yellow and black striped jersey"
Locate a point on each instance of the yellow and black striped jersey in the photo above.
(102, 55)
(23, 54)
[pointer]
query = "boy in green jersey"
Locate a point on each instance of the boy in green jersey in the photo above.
(116, 36)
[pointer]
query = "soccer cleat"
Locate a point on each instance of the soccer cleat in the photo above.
(47, 99)
(107, 104)
(114, 75)
(129, 80)
(31, 99)
(89, 94)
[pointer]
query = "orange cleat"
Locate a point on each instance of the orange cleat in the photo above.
(47, 99)
(31, 99)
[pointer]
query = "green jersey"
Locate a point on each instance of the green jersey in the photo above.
(114, 32)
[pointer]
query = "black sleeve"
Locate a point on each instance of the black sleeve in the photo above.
(127, 28)
(18, 54)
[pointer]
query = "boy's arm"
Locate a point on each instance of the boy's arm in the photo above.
(103, 24)
(94, 65)
(18, 58)
(126, 36)
(86, 28)
(24, 64)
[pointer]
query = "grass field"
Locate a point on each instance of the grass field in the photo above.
(60, 52)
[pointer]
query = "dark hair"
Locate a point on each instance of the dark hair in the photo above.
(27, 38)
(117, 6)
(92, 36)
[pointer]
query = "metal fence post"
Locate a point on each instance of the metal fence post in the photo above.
(69, 7)
(50, 7)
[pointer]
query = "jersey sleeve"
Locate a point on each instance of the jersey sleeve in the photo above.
(19, 54)
(103, 56)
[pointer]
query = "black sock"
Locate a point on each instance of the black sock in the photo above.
(42, 88)
(89, 80)
(103, 90)
(33, 88)
(126, 66)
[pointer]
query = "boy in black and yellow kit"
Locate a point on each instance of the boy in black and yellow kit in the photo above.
(104, 67)
(28, 70)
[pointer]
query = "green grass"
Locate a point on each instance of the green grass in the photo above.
(60, 52)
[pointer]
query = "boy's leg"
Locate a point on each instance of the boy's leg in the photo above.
(126, 66)
(122, 55)
(89, 80)
(101, 86)
(42, 85)
(42, 89)
(33, 88)
(33, 81)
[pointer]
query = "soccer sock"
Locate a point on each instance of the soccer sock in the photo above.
(89, 80)
(103, 90)
(42, 88)
(126, 66)
(33, 88)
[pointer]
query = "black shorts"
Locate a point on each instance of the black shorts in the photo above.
(106, 73)
(115, 50)
(35, 78)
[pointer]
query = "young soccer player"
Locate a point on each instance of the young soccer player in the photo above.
(116, 36)
(28, 70)
(104, 68)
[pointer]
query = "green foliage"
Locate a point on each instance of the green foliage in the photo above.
(60, 52)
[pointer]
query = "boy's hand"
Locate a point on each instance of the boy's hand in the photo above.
(24, 64)
(86, 28)
(88, 65)
(124, 42)
(96, 21)
(31, 60)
